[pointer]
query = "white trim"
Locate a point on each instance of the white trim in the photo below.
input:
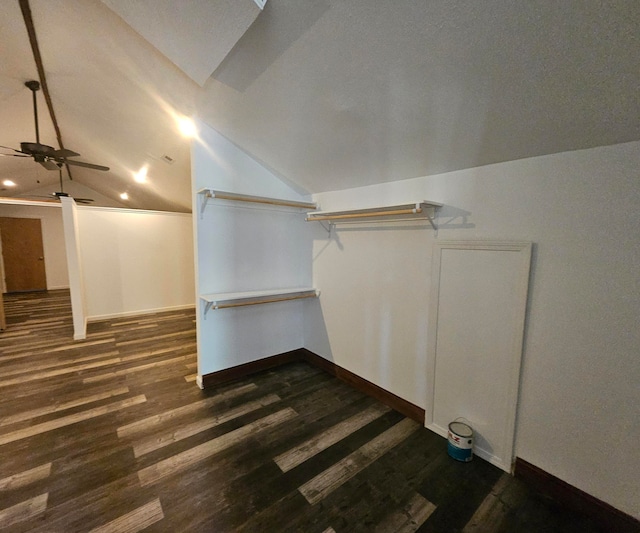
(110, 316)
(36, 203)
(130, 210)
(81, 335)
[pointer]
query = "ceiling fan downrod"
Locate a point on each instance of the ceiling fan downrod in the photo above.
(34, 86)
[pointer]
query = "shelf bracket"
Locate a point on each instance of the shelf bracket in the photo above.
(432, 222)
(327, 229)
(207, 306)
(203, 201)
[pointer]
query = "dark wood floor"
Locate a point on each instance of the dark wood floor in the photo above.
(112, 434)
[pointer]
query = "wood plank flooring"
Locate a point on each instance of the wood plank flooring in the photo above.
(111, 434)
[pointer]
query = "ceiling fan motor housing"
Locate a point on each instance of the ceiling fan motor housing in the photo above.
(37, 149)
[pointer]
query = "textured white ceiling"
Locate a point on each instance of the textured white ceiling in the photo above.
(361, 94)
(330, 94)
(196, 35)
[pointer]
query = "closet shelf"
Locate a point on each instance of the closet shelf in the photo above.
(416, 211)
(239, 299)
(208, 194)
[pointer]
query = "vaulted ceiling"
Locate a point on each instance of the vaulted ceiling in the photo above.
(328, 94)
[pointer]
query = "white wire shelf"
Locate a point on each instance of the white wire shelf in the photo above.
(415, 211)
(239, 299)
(211, 194)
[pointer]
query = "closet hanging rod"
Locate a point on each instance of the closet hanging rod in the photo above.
(266, 301)
(222, 195)
(365, 215)
(238, 299)
(419, 218)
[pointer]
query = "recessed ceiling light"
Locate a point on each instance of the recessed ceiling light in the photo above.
(187, 127)
(8, 183)
(124, 196)
(141, 175)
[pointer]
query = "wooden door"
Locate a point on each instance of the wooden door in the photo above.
(23, 254)
(3, 319)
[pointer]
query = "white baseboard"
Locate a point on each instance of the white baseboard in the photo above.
(80, 335)
(124, 314)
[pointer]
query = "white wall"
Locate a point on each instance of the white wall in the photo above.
(578, 411)
(135, 261)
(55, 261)
(577, 417)
(240, 248)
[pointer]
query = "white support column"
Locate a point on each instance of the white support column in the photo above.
(74, 264)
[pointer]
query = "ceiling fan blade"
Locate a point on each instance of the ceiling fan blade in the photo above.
(62, 194)
(13, 155)
(62, 153)
(83, 164)
(49, 165)
(14, 150)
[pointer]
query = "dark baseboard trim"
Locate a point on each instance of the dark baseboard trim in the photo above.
(241, 371)
(388, 398)
(302, 354)
(608, 517)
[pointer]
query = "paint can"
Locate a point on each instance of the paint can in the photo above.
(460, 441)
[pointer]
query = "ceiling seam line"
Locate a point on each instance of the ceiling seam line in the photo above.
(33, 40)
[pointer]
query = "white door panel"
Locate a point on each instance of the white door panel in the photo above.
(478, 304)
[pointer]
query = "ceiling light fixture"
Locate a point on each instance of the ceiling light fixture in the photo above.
(141, 175)
(124, 196)
(8, 183)
(187, 127)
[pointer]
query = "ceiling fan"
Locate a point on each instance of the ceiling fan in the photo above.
(61, 194)
(47, 156)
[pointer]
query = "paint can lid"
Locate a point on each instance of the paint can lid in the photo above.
(461, 429)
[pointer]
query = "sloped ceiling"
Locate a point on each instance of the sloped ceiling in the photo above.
(184, 35)
(328, 94)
